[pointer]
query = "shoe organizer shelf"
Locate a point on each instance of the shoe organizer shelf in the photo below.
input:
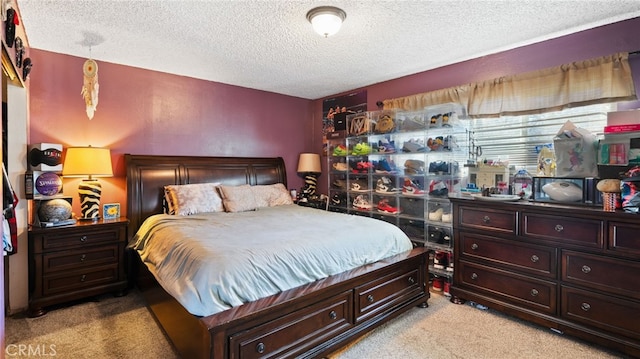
(401, 167)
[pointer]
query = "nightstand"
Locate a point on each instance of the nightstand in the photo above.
(72, 262)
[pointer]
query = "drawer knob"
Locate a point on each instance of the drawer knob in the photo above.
(83, 239)
(535, 258)
(559, 228)
(486, 219)
(260, 347)
(474, 276)
(474, 246)
(370, 298)
(83, 257)
(333, 314)
(411, 280)
(586, 269)
(83, 278)
(585, 306)
(534, 292)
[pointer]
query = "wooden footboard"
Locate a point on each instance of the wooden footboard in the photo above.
(309, 321)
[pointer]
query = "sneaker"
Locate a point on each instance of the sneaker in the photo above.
(446, 288)
(339, 184)
(414, 166)
(339, 199)
(436, 235)
(413, 123)
(414, 146)
(436, 215)
(438, 188)
(385, 186)
(340, 150)
(361, 149)
(359, 186)
(449, 262)
(411, 188)
(384, 166)
(340, 166)
(384, 206)
(447, 217)
(438, 284)
(386, 146)
(361, 202)
(362, 167)
(440, 260)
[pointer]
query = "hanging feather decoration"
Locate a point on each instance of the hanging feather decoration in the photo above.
(90, 86)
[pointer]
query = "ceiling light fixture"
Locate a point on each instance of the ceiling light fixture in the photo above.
(326, 20)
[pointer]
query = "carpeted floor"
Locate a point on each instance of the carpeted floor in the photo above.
(123, 328)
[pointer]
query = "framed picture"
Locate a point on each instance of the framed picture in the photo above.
(111, 211)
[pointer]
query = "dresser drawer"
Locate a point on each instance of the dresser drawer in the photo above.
(624, 238)
(86, 257)
(488, 219)
(67, 239)
(387, 291)
(617, 276)
(538, 260)
(518, 289)
(282, 337)
(79, 279)
(585, 232)
(602, 311)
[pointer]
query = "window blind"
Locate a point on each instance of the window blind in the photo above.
(514, 138)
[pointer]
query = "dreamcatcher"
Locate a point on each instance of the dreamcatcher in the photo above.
(90, 86)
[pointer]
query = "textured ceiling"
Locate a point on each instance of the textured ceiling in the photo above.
(269, 45)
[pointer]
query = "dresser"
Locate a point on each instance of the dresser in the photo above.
(72, 262)
(574, 269)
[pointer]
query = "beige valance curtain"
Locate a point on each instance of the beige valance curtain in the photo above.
(601, 80)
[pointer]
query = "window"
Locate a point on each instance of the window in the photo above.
(514, 138)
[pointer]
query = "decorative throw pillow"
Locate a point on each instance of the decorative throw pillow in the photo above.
(194, 198)
(238, 198)
(271, 195)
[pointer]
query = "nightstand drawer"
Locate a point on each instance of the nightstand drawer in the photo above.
(79, 238)
(585, 232)
(89, 257)
(81, 279)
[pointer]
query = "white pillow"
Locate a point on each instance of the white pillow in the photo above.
(194, 198)
(238, 198)
(271, 195)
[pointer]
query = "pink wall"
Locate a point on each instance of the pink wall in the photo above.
(148, 112)
(601, 41)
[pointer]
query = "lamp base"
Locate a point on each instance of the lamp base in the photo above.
(310, 183)
(89, 192)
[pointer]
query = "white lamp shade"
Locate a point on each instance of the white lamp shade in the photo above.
(87, 162)
(326, 20)
(309, 163)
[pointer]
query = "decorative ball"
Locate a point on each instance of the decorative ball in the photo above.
(54, 210)
(48, 184)
(609, 186)
(563, 191)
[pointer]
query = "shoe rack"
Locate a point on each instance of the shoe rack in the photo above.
(401, 167)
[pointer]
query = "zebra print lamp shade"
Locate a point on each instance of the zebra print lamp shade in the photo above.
(88, 162)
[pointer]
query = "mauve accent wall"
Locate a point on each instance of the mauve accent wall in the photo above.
(148, 112)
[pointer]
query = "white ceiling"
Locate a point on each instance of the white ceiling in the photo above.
(269, 44)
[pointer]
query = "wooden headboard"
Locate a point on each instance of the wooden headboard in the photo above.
(148, 174)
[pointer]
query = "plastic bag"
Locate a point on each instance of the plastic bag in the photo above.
(575, 150)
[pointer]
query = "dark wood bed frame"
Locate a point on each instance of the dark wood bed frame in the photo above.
(310, 321)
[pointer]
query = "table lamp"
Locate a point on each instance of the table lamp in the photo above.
(309, 166)
(88, 162)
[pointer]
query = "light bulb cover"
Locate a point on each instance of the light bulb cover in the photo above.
(326, 20)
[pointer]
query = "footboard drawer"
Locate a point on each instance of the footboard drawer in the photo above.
(380, 294)
(292, 334)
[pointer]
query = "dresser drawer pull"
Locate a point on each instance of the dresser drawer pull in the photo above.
(474, 246)
(83, 257)
(333, 314)
(411, 280)
(260, 347)
(585, 306)
(370, 298)
(559, 228)
(83, 239)
(534, 292)
(586, 269)
(474, 276)
(535, 258)
(486, 219)
(83, 278)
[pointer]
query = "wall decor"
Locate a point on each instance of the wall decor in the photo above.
(90, 86)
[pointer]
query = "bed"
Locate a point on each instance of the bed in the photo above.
(312, 319)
